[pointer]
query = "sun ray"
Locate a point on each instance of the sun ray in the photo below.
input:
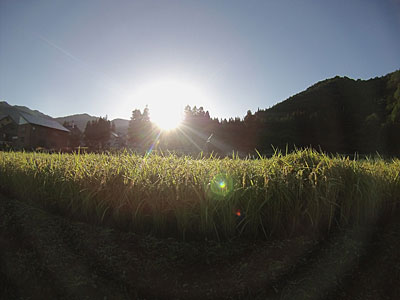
(190, 139)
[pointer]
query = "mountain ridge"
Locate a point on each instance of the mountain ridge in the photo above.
(338, 115)
(6, 108)
(80, 120)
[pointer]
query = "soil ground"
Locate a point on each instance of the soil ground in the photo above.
(47, 256)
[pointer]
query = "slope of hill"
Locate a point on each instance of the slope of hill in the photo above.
(339, 115)
(121, 126)
(14, 110)
(79, 120)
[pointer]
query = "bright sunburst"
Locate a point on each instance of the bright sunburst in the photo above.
(167, 99)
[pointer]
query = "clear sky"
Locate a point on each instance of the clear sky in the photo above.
(109, 57)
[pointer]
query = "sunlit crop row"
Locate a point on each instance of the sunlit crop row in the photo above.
(207, 197)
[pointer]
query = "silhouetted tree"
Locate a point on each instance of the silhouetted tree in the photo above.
(140, 131)
(337, 115)
(97, 133)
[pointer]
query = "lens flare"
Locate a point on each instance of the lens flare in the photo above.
(156, 141)
(221, 185)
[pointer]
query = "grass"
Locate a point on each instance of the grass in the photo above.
(207, 197)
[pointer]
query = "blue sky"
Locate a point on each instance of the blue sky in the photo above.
(66, 57)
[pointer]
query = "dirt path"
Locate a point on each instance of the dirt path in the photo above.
(45, 256)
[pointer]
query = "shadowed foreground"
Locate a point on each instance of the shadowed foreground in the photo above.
(44, 256)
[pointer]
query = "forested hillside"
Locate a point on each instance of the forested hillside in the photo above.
(338, 115)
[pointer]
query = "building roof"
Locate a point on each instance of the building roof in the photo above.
(26, 118)
(13, 116)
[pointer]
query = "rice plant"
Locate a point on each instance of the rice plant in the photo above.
(207, 197)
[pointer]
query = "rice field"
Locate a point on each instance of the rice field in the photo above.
(207, 197)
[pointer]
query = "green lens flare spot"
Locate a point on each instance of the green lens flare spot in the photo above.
(221, 185)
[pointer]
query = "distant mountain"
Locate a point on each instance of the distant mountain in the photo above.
(337, 115)
(80, 120)
(14, 110)
(121, 126)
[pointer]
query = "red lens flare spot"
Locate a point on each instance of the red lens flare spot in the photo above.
(238, 213)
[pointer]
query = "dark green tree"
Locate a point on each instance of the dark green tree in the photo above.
(97, 133)
(140, 130)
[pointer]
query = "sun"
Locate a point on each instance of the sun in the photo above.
(167, 123)
(167, 111)
(166, 100)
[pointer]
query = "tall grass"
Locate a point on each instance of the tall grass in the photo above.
(212, 197)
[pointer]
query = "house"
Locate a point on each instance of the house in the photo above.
(8, 131)
(116, 141)
(75, 135)
(35, 132)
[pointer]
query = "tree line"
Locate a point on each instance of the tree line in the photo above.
(338, 115)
